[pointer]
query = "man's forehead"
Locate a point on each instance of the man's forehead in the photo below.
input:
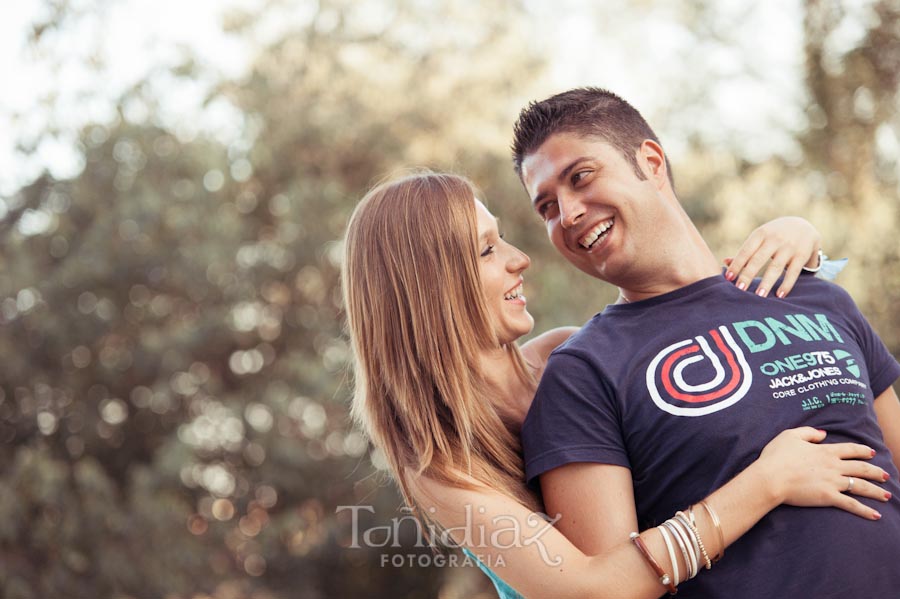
(559, 150)
(562, 140)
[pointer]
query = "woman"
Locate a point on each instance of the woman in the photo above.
(435, 306)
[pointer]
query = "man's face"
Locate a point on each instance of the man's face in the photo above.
(598, 213)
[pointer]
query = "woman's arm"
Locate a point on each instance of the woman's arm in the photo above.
(790, 242)
(538, 560)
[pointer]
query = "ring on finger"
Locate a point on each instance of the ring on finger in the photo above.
(850, 482)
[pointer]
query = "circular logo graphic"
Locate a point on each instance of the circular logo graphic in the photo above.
(696, 377)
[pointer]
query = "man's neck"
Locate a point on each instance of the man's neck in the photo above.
(680, 257)
(684, 266)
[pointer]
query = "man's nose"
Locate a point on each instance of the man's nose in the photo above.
(571, 209)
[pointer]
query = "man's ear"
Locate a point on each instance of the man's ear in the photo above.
(653, 162)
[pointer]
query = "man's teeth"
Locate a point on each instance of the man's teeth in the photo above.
(598, 232)
(514, 294)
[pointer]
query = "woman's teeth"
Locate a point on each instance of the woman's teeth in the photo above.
(597, 233)
(514, 294)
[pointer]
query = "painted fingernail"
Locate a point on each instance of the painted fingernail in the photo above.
(741, 285)
(885, 476)
(729, 275)
(872, 455)
(876, 515)
(887, 496)
(761, 292)
(780, 294)
(821, 430)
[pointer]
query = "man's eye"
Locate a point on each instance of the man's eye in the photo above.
(544, 208)
(579, 176)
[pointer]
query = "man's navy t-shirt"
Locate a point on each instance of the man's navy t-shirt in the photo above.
(685, 389)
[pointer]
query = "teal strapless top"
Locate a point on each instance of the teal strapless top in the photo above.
(504, 590)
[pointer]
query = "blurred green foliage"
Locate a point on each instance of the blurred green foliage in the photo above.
(173, 381)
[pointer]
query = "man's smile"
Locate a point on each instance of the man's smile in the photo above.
(597, 234)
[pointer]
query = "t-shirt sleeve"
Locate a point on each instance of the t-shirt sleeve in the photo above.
(574, 418)
(882, 366)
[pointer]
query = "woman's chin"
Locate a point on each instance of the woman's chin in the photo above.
(530, 325)
(520, 331)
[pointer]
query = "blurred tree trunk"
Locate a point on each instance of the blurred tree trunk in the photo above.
(852, 143)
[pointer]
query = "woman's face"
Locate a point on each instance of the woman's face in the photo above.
(501, 266)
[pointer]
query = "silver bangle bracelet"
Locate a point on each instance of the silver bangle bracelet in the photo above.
(818, 267)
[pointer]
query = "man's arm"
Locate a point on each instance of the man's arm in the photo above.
(887, 410)
(596, 503)
(573, 441)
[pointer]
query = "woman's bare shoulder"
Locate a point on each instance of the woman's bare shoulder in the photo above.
(446, 496)
(537, 350)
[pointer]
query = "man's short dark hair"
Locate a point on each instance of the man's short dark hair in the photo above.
(588, 111)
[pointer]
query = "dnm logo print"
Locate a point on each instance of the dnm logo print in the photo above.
(699, 376)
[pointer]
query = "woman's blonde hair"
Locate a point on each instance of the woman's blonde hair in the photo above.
(419, 324)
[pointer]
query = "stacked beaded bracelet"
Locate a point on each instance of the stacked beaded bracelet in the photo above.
(689, 523)
(681, 532)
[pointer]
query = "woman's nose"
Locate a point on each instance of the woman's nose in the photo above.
(519, 261)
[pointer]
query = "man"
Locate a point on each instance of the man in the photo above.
(673, 390)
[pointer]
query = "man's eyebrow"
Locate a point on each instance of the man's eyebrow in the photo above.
(565, 172)
(562, 175)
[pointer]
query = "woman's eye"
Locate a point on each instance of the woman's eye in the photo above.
(487, 251)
